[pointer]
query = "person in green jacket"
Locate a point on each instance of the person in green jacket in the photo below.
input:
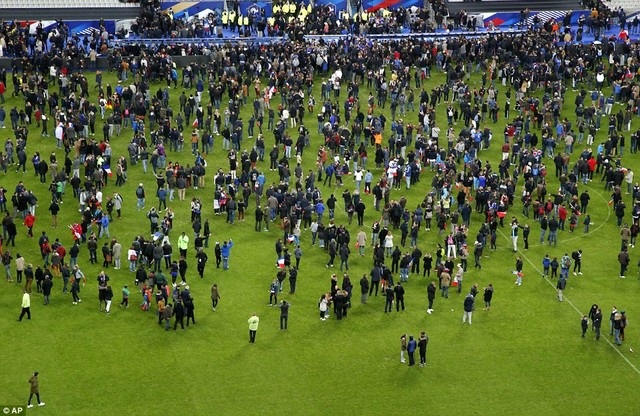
(253, 327)
(125, 297)
(26, 305)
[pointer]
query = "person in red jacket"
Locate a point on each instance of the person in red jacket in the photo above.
(29, 220)
(562, 216)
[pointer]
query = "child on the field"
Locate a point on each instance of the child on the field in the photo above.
(146, 295)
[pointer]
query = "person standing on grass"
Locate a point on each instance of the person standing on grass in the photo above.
(253, 322)
(215, 296)
(624, 260)
(399, 295)
(411, 349)
(201, 259)
(102, 279)
(47, 285)
(293, 278)
(166, 314)
(431, 295)
(75, 288)
(403, 347)
(54, 208)
(225, 251)
(584, 322)
(26, 305)
(273, 292)
(125, 297)
(178, 312)
(518, 271)
(189, 308)
(488, 295)
(19, 268)
(616, 328)
(364, 289)
(35, 389)
(108, 297)
(468, 308)
(597, 322)
(388, 306)
(422, 348)
(561, 285)
(284, 314)
(29, 221)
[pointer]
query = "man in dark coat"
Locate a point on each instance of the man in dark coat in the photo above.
(178, 312)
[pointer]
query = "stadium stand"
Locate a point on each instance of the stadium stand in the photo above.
(61, 4)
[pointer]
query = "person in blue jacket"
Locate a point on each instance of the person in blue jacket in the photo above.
(411, 349)
(225, 250)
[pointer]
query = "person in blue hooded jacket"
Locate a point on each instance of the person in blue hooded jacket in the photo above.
(411, 349)
(225, 250)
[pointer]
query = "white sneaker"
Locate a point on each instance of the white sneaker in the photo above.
(580, 273)
(29, 406)
(429, 311)
(622, 277)
(575, 274)
(402, 361)
(41, 404)
(75, 303)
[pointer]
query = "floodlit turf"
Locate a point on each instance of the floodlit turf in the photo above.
(524, 357)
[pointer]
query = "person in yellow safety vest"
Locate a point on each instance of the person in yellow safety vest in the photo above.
(170, 13)
(276, 9)
(285, 8)
(246, 20)
(309, 8)
(225, 19)
(240, 21)
(292, 8)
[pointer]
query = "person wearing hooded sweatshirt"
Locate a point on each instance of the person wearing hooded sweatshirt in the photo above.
(225, 250)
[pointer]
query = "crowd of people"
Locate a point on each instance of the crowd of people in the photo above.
(524, 79)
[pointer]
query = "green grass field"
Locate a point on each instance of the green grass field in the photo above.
(523, 357)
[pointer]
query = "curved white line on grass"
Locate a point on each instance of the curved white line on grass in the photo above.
(571, 303)
(598, 227)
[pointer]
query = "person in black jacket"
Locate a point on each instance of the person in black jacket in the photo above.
(178, 312)
(431, 295)
(202, 258)
(388, 306)
(364, 287)
(597, 322)
(218, 252)
(375, 280)
(399, 294)
(46, 289)
(189, 307)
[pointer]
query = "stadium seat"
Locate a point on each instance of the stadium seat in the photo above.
(48, 4)
(629, 6)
